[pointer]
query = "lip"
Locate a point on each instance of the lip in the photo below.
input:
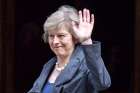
(57, 47)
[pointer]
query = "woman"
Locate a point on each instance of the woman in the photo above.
(78, 66)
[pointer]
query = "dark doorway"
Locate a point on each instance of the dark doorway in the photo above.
(113, 27)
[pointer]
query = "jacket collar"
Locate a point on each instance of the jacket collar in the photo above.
(67, 74)
(70, 70)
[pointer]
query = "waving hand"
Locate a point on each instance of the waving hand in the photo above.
(84, 30)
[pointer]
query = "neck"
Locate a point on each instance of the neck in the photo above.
(62, 60)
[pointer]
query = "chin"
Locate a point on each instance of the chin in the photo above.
(60, 54)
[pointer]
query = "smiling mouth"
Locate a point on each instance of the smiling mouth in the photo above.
(58, 47)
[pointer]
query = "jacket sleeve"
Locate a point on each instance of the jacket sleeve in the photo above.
(98, 75)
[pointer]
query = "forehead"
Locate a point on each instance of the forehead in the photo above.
(59, 29)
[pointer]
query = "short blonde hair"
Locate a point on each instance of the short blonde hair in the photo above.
(62, 17)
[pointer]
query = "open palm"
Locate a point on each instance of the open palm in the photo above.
(84, 30)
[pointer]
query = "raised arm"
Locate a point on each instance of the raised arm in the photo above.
(98, 75)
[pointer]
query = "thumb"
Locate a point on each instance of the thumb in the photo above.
(75, 30)
(74, 26)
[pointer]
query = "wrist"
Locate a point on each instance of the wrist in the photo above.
(87, 42)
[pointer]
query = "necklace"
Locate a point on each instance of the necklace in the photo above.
(60, 68)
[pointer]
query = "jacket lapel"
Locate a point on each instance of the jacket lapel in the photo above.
(43, 76)
(70, 70)
(47, 69)
(66, 75)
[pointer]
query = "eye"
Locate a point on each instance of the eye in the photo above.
(51, 36)
(61, 35)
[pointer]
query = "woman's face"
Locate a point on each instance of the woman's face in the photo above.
(61, 42)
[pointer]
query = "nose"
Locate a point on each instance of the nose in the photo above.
(55, 40)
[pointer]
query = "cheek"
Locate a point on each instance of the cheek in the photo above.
(50, 44)
(69, 44)
(69, 40)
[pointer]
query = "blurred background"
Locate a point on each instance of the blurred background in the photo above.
(23, 52)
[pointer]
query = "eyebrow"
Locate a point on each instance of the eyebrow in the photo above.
(62, 33)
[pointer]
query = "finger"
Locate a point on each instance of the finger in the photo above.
(92, 19)
(84, 15)
(80, 16)
(87, 16)
(74, 26)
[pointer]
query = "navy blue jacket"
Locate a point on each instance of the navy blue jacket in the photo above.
(85, 73)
